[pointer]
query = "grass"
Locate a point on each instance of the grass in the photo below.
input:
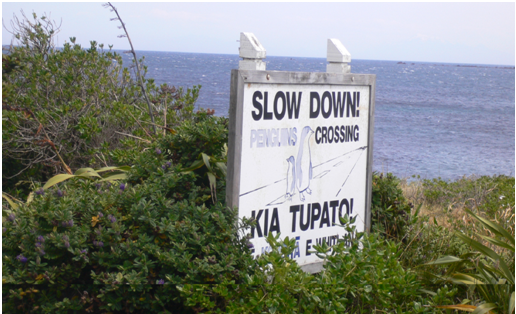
(442, 209)
(440, 223)
(445, 201)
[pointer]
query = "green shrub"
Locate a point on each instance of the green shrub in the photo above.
(121, 247)
(362, 274)
(69, 108)
(390, 211)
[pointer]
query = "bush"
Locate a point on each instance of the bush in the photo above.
(68, 108)
(390, 211)
(361, 276)
(121, 247)
(60, 104)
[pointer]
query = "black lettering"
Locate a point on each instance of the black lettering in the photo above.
(355, 130)
(257, 105)
(358, 103)
(266, 223)
(342, 203)
(294, 209)
(314, 112)
(277, 114)
(314, 215)
(333, 205)
(338, 104)
(293, 107)
(257, 219)
(323, 135)
(349, 133)
(275, 226)
(266, 114)
(326, 114)
(342, 134)
(351, 104)
(325, 217)
(330, 138)
(304, 226)
(336, 137)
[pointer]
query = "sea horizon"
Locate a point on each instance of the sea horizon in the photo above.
(122, 51)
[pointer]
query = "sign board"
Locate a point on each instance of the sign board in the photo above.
(300, 155)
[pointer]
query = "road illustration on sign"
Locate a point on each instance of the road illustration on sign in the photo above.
(300, 173)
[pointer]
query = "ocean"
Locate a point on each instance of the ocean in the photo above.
(431, 119)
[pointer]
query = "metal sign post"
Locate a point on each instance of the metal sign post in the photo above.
(300, 149)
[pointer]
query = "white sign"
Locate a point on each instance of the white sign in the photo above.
(303, 162)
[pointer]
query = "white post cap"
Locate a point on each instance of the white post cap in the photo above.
(250, 47)
(338, 57)
(337, 52)
(252, 52)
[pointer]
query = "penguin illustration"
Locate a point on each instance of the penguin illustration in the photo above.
(291, 177)
(304, 163)
(299, 172)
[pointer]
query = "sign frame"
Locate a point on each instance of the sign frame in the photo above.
(242, 78)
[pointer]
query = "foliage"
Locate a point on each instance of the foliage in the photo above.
(361, 275)
(491, 273)
(62, 103)
(389, 209)
(485, 193)
(427, 240)
(68, 108)
(123, 247)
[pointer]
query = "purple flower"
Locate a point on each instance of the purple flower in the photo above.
(40, 192)
(21, 258)
(97, 185)
(100, 191)
(67, 244)
(84, 251)
(158, 151)
(122, 186)
(111, 218)
(41, 252)
(59, 193)
(38, 245)
(70, 223)
(250, 245)
(101, 215)
(164, 167)
(40, 239)
(161, 282)
(11, 217)
(98, 243)
(169, 164)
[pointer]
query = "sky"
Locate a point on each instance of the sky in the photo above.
(459, 32)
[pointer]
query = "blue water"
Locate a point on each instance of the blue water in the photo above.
(432, 120)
